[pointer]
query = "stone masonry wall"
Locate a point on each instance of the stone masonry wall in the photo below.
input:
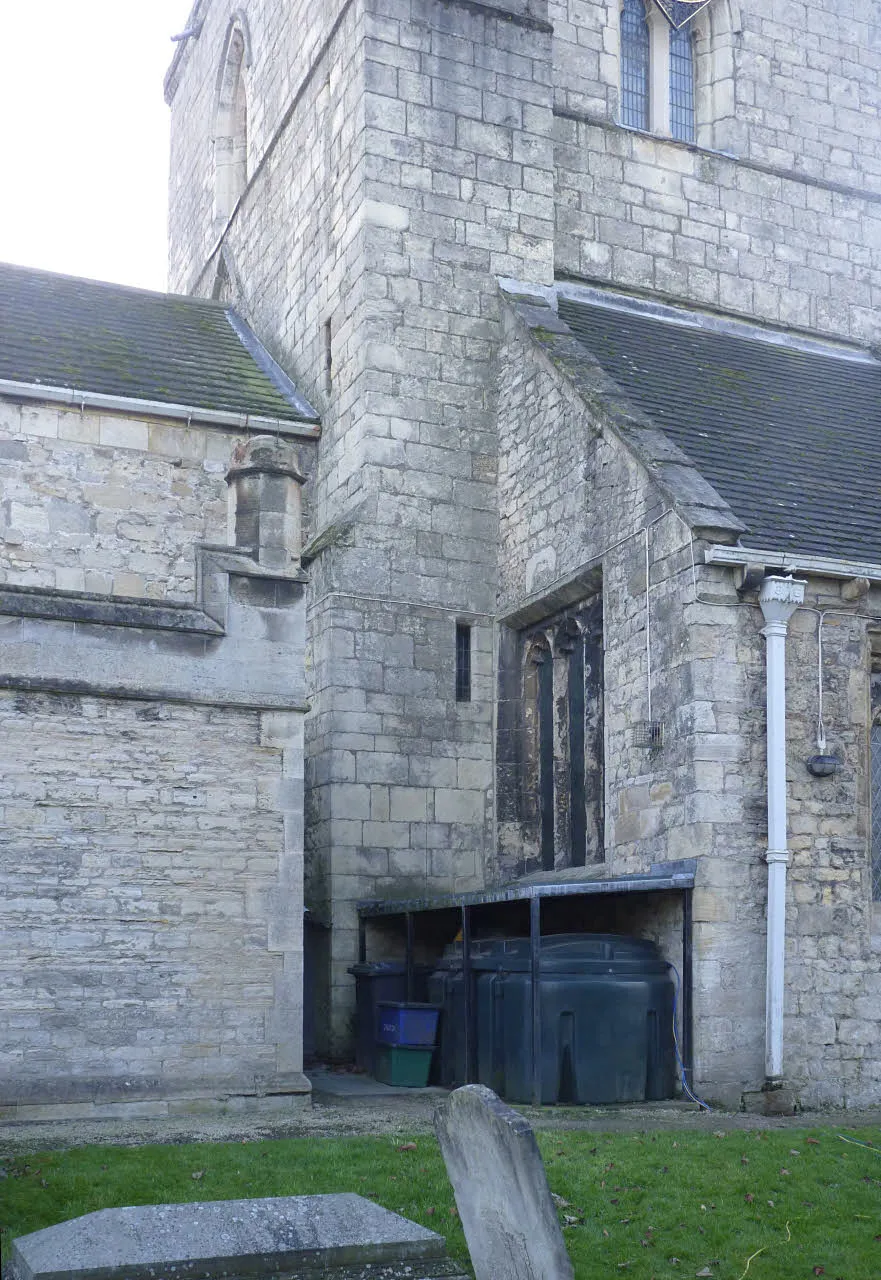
(284, 46)
(702, 795)
(140, 845)
(833, 988)
(784, 227)
(401, 159)
(414, 163)
(577, 504)
(152, 811)
(296, 249)
(106, 503)
(801, 81)
(644, 213)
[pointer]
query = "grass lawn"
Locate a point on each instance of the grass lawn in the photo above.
(766, 1205)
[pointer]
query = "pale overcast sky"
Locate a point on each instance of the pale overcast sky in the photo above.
(86, 134)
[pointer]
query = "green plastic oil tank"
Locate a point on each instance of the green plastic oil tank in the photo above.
(606, 1018)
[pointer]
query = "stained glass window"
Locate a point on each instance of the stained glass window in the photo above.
(681, 85)
(634, 65)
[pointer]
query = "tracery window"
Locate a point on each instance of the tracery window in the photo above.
(561, 774)
(657, 71)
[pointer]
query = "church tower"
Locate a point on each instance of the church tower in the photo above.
(571, 283)
(354, 177)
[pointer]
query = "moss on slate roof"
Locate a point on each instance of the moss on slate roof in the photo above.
(60, 331)
(787, 434)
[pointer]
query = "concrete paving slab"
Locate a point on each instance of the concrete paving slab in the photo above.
(353, 1085)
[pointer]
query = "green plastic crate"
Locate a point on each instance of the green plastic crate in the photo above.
(403, 1064)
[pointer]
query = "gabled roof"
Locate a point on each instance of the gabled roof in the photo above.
(62, 332)
(786, 429)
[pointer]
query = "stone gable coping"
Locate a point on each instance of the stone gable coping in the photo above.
(690, 494)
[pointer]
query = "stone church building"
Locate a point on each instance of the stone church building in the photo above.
(500, 475)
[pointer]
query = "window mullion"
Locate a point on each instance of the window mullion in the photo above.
(659, 65)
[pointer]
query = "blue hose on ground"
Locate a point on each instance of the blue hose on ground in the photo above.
(682, 1072)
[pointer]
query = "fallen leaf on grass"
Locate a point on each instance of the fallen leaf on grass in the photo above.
(815, 1142)
(819, 1271)
(408, 1146)
(749, 1197)
(431, 1211)
(784, 1173)
(705, 1271)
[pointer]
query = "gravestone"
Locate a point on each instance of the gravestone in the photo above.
(336, 1237)
(501, 1191)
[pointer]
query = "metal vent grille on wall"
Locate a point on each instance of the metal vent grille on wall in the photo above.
(648, 734)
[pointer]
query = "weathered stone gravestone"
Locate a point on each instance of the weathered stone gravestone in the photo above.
(501, 1190)
(338, 1237)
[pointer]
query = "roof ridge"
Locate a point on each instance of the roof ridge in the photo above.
(45, 273)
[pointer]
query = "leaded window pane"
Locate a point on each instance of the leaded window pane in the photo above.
(876, 812)
(681, 85)
(634, 65)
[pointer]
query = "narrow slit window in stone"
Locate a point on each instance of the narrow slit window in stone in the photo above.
(463, 662)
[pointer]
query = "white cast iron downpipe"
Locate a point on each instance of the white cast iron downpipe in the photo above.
(779, 598)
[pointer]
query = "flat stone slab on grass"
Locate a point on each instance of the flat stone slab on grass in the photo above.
(341, 1237)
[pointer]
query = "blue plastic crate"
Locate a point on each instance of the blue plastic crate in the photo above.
(406, 1024)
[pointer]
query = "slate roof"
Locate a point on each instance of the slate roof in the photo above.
(787, 431)
(60, 331)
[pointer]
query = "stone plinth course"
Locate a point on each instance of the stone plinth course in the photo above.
(501, 1190)
(296, 1237)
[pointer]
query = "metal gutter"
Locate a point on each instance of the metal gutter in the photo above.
(792, 562)
(224, 418)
